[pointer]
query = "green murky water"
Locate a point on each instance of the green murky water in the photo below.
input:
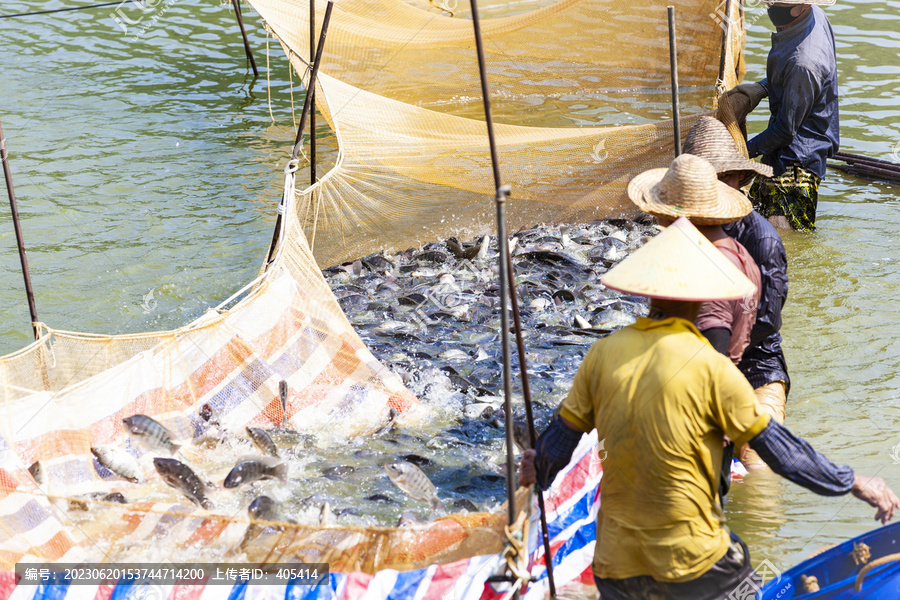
(148, 167)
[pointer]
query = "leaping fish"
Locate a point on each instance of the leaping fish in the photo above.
(252, 469)
(414, 482)
(182, 478)
(150, 433)
(119, 462)
(262, 440)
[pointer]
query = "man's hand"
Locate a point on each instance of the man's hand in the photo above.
(876, 492)
(527, 472)
(754, 92)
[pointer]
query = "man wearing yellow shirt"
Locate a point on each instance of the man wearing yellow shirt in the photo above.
(662, 399)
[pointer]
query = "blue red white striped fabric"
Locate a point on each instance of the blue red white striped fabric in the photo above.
(571, 504)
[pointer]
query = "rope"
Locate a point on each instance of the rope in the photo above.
(515, 553)
(268, 80)
(860, 554)
(875, 563)
(47, 12)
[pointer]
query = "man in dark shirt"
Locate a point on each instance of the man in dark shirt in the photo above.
(801, 83)
(763, 362)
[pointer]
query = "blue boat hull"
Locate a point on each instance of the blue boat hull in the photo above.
(836, 572)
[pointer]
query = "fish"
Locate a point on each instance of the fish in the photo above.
(252, 469)
(263, 508)
(150, 433)
(114, 497)
(38, 473)
(119, 462)
(283, 397)
(413, 482)
(179, 476)
(521, 435)
(209, 414)
(262, 440)
(325, 515)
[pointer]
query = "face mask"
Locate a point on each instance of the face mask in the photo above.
(780, 15)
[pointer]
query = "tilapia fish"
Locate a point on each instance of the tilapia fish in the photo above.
(262, 508)
(119, 462)
(182, 478)
(150, 433)
(252, 469)
(413, 482)
(262, 440)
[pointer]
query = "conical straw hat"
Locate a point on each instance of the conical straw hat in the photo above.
(710, 139)
(688, 188)
(679, 264)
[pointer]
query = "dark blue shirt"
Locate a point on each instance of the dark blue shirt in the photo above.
(801, 77)
(763, 361)
(788, 455)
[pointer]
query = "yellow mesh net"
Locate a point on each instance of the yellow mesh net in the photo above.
(399, 87)
(410, 172)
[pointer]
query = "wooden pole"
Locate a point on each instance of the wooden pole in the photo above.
(312, 114)
(673, 65)
(20, 241)
(247, 51)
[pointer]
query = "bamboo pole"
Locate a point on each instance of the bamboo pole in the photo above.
(20, 241)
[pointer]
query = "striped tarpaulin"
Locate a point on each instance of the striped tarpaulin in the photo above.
(571, 503)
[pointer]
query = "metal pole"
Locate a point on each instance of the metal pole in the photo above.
(500, 198)
(247, 51)
(506, 279)
(23, 258)
(312, 91)
(673, 64)
(529, 417)
(298, 141)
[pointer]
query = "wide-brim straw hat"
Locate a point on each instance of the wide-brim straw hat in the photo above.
(688, 188)
(816, 2)
(679, 264)
(710, 139)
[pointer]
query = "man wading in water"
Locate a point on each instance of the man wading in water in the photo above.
(763, 362)
(662, 399)
(801, 83)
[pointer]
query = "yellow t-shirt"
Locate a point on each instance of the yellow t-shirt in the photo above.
(661, 398)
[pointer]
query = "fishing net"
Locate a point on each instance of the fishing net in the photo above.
(399, 89)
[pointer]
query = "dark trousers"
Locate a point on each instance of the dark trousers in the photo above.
(731, 577)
